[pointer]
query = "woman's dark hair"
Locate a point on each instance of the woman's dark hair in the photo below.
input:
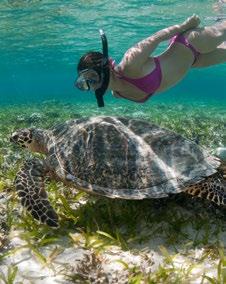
(91, 60)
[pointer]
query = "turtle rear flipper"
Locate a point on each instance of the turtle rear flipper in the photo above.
(29, 185)
(212, 188)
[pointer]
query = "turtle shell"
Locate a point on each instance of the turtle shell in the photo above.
(126, 158)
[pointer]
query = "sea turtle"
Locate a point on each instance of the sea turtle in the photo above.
(116, 157)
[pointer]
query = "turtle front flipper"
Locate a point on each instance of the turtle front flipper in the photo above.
(212, 188)
(29, 185)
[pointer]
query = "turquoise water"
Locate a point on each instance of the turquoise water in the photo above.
(41, 42)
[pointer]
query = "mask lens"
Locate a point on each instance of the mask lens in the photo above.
(82, 84)
(85, 83)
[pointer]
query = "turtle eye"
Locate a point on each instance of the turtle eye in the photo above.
(14, 138)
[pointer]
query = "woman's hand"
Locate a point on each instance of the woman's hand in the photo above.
(191, 22)
(139, 54)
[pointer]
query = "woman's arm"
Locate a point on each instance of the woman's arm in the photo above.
(141, 51)
(190, 23)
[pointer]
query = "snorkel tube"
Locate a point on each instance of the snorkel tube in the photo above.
(105, 72)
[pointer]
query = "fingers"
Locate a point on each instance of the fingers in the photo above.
(196, 18)
(192, 22)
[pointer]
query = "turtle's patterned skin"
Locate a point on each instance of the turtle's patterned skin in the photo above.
(118, 158)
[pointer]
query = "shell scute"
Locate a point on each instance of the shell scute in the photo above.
(127, 158)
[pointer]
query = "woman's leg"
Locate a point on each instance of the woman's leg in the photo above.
(212, 58)
(207, 39)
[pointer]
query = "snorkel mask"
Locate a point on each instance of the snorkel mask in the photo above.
(91, 80)
(85, 83)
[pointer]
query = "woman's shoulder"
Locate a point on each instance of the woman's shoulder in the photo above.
(126, 67)
(130, 69)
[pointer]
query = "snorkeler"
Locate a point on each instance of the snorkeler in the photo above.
(138, 76)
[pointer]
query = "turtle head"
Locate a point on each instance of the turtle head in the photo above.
(30, 138)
